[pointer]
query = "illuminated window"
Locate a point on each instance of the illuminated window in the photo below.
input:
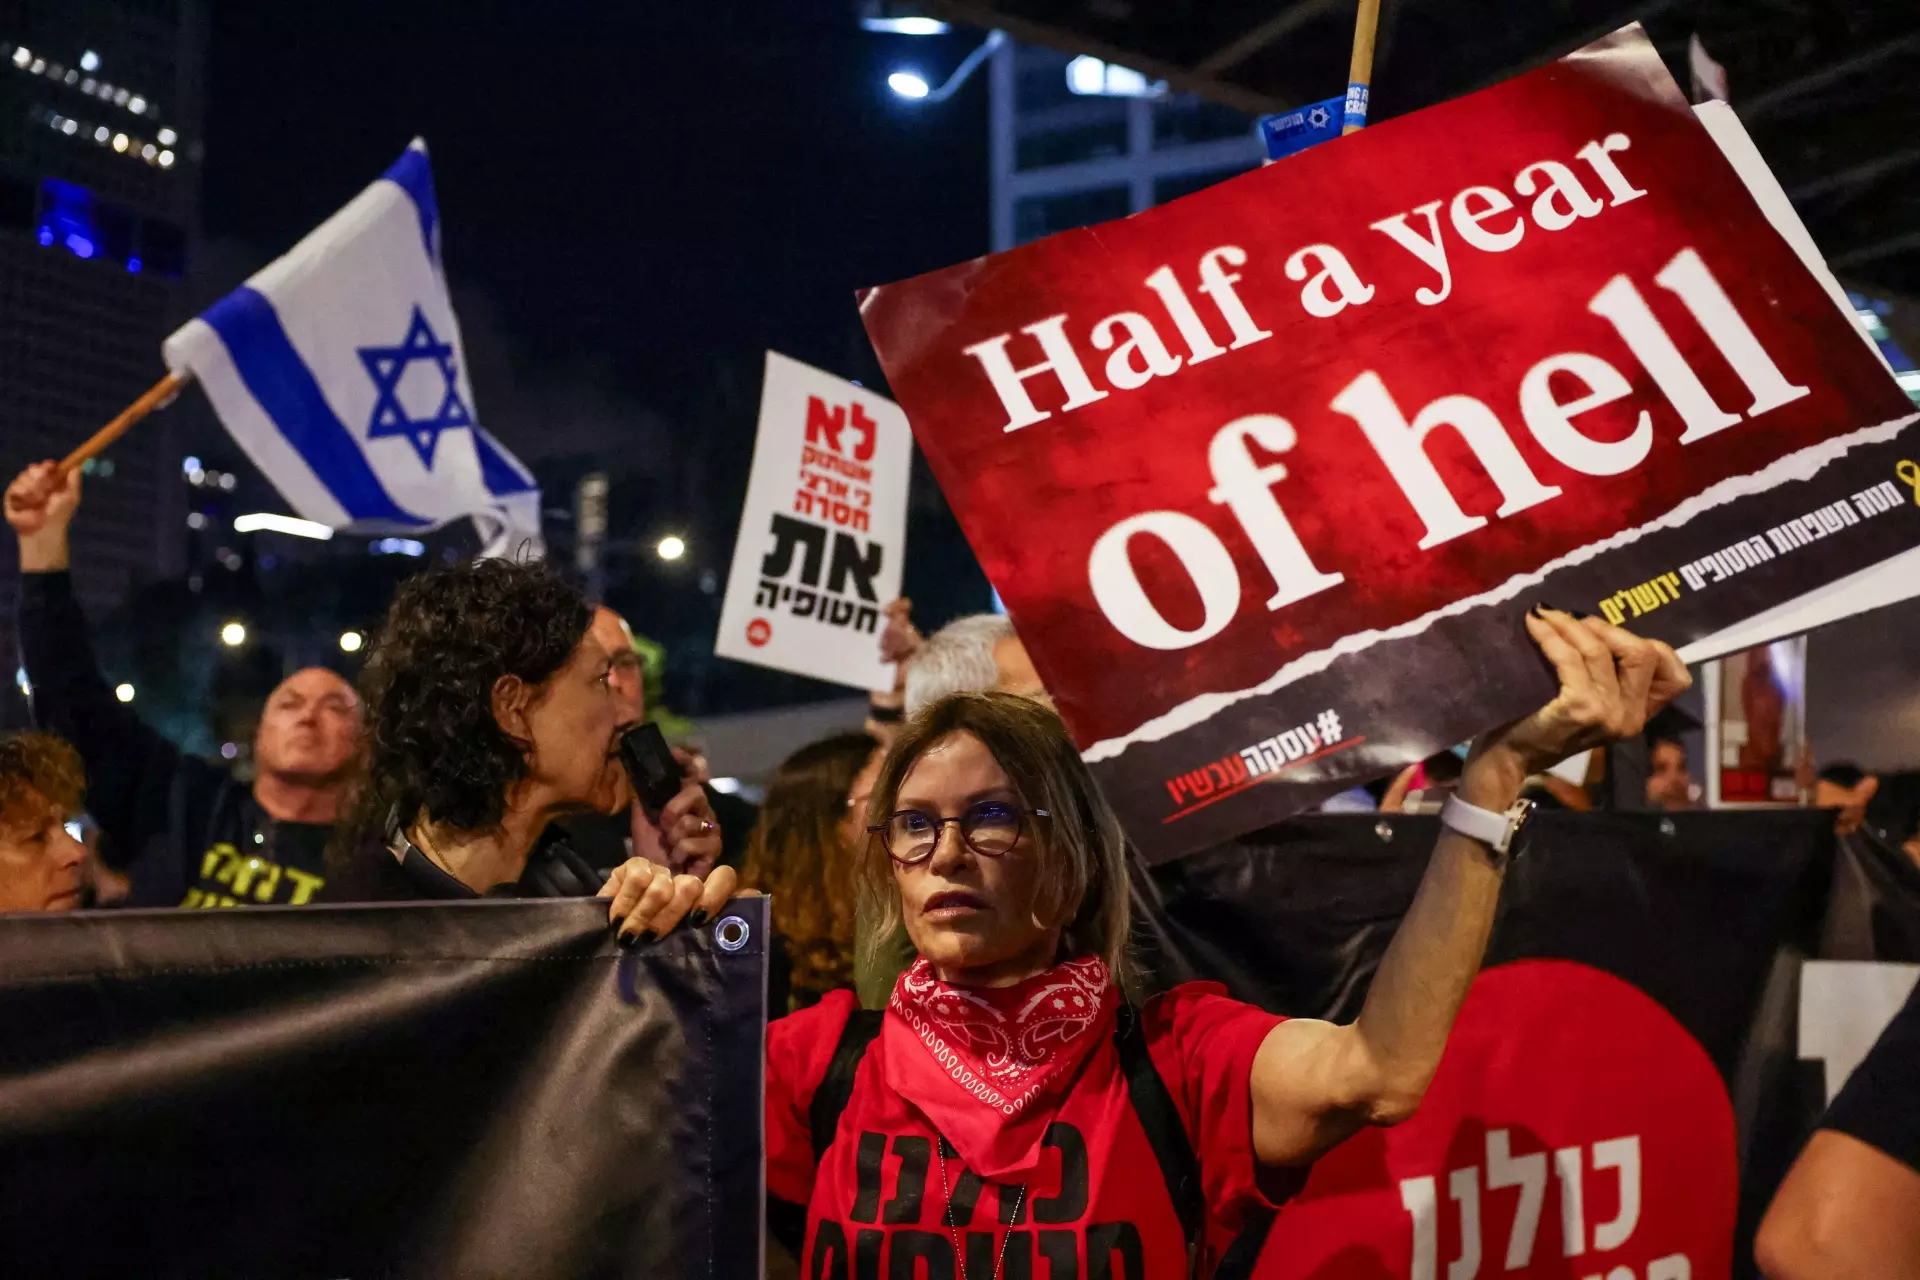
(1037, 216)
(1165, 189)
(1042, 149)
(1186, 120)
(70, 217)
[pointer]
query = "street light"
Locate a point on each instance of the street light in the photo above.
(909, 84)
(124, 692)
(905, 26)
(350, 641)
(233, 635)
(255, 521)
(912, 86)
(672, 547)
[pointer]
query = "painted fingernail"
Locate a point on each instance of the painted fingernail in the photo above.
(697, 917)
(627, 939)
(649, 935)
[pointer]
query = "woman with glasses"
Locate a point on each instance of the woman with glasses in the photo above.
(1014, 1106)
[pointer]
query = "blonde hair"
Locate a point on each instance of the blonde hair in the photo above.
(1082, 852)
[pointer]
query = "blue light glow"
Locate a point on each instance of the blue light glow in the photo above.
(67, 218)
(133, 265)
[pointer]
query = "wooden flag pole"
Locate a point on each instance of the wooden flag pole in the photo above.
(1360, 71)
(158, 396)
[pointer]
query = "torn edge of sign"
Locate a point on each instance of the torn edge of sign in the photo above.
(1802, 464)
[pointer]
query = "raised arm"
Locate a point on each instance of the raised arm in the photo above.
(130, 766)
(1316, 1083)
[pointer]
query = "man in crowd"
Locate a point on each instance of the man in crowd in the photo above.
(1669, 781)
(189, 834)
(40, 787)
(606, 840)
(974, 653)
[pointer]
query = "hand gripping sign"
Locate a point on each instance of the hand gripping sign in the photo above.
(1267, 475)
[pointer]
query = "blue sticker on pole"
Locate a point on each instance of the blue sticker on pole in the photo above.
(1290, 132)
(1356, 114)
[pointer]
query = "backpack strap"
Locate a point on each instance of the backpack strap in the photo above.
(1165, 1132)
(836, 1087)
(1238, 1261)
(786, 1222)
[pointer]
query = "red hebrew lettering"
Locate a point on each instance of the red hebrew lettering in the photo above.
(863, 450)
(825, 423)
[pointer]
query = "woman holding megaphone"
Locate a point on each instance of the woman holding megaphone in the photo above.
(488, 715)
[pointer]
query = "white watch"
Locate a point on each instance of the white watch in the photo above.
(1495, 830)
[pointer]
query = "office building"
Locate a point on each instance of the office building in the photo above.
(99, 138)
(1075, 141)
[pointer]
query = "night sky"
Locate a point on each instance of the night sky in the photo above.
(653, 183)
(637, 200)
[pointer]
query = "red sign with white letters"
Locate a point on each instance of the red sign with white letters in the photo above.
(1598, 1143)
(1266, 476)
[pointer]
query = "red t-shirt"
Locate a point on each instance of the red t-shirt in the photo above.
(1099, 1206)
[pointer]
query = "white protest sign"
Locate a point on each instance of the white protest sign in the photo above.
(824, 529)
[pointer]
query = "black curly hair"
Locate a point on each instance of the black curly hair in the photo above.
(432, 744)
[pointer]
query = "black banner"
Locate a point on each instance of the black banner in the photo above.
(475, 1090)
(1613, 928)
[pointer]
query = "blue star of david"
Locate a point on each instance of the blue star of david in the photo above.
(387, 365)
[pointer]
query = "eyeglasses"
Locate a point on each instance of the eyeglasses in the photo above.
(990, 828)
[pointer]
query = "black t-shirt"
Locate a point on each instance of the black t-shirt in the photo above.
(372, 873)
(186, 833)
(244, 859)
(1880, 1104)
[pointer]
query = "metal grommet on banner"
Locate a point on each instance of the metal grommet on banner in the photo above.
(1384, 830)
(731, 933)
(1667, 827)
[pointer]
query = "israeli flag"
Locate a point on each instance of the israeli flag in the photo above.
(339, 370)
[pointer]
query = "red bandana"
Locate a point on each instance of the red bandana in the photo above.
(990, 1066)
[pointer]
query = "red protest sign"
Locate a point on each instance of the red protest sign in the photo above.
(1267, 475)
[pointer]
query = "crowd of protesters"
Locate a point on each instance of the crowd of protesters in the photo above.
(950, 862)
